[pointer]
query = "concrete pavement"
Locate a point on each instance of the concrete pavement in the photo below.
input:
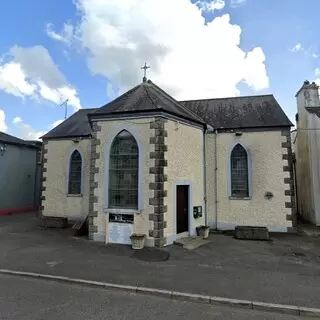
(285, 271)
(31, 299)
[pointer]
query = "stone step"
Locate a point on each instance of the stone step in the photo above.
(191, 242)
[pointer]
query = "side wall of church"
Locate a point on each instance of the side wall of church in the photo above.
(185, 167)
(270, 169)
(55, 199)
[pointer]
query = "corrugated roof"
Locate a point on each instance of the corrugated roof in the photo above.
(75, 126)
(240, 112)
(147, 97)
(9, 139)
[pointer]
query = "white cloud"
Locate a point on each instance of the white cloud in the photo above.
(27, 131)
(55, 124)
(3, 126)
(297, 47)
(31, 72)
(16, 120)
(237, 3)
(65, 36)
(13, 80)
(317, 75)
(307, 51)
(210, 6)
(189, 58)
(253, 61)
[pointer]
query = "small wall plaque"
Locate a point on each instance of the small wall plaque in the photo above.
(268, 195)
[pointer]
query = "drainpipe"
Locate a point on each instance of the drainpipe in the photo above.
(207, 129)
(205, 176)
(216, 178)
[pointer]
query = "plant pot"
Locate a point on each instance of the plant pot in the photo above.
(137, 241)
(203, 231)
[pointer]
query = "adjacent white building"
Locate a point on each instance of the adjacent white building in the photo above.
(307, 150)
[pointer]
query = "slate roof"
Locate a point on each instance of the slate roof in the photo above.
(8, 139)
(224, 113)
(240, 112)
(147, 97)
(75, 126)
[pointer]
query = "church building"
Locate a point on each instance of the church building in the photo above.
(146, 163)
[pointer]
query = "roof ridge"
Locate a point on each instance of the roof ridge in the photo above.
(124, 94)
(224, 98)
(176, 102)
(165, 94)
(149, 96)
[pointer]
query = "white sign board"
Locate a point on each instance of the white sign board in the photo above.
(120, 232)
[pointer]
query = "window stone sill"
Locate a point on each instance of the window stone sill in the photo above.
(122, 211)
(239, 198)
(74, 195)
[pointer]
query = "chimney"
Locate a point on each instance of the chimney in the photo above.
(308, 95)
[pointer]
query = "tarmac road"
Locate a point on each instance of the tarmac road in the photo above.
(33, 299)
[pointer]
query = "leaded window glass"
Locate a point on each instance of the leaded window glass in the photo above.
(124, 172)
(75, 173)
(239, 172)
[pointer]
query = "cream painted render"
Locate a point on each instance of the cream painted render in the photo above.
(185, 167)
(57, 202)
(267, 175)
(307, 149)
(185, 159)
(140, 129)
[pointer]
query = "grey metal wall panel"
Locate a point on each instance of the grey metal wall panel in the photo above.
(17, 177)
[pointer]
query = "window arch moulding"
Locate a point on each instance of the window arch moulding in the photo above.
(110, 207)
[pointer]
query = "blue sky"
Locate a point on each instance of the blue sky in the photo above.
(69, 49)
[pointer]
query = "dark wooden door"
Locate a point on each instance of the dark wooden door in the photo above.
(182, 209)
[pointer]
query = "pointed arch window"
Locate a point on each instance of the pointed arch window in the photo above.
(239, 172)
(123, 172)
(75, 173)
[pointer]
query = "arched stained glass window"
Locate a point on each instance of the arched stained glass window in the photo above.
(75, 173)
(239, 172)
(123, 172)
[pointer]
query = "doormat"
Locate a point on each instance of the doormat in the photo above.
(151, 254)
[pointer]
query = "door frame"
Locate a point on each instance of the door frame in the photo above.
(190, 209)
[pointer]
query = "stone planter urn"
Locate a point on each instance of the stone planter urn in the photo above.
(203, 231)
(137, 241)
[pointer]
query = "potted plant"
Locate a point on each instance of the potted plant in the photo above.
(137, 241)
(203, 231)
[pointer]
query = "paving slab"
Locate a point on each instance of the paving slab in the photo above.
(191, 243)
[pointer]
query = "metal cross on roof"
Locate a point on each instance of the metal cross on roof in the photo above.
(145, 72)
